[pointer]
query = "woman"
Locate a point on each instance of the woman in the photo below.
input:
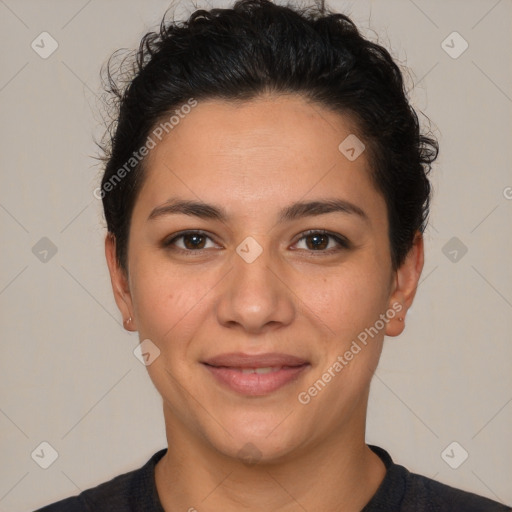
(265, 192)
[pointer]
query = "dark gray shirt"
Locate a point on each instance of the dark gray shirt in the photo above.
(400, 491)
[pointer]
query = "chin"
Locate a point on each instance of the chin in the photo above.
(259, 441)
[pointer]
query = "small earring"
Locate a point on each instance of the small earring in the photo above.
(128, 321)
(400, 318)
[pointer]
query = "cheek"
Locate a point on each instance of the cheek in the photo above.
(167, 301)
(349, 302)
(347, 299)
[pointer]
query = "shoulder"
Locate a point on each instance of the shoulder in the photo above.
(122, 493)
(404, 491)
(439, 496)
(111, 495)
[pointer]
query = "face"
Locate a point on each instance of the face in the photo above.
(284, 267)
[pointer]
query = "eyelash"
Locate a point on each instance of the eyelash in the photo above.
(342, 242)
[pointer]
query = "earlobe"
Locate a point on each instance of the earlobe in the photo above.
(119, 281)
(407, 278)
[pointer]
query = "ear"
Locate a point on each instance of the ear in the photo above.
(405, 285)
(120, 285)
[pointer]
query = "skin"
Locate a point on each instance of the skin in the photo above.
(252, 160)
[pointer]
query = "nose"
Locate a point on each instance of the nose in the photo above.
(255, 297)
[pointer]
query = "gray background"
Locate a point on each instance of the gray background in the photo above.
(69, 376)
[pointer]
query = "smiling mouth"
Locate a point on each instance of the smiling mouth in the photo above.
(256, 380)
(260, 371)
(265, 360)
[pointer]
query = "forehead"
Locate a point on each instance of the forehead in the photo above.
(265, 151)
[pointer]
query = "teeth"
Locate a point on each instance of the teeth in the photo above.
(268, 369)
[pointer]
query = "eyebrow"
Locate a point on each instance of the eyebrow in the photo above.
(292, 212)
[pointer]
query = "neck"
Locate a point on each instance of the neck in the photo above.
(341, 473)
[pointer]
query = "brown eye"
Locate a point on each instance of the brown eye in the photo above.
(317, 241)
(189, 241)
(193, 241)
(322, 241)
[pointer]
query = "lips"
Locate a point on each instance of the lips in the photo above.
(268, 360)
(255, 375)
